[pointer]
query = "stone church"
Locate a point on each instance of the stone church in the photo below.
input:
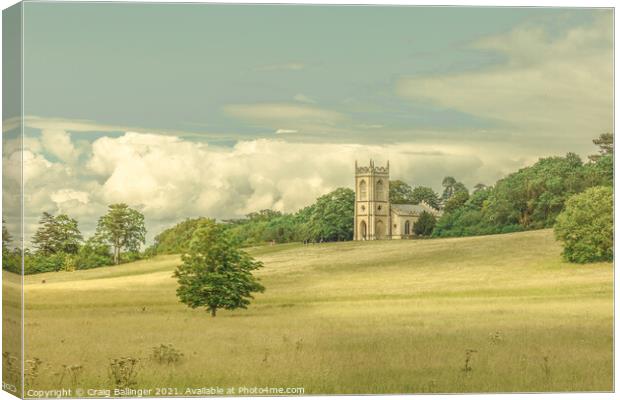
(375, 217)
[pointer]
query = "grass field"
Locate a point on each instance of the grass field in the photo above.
(352, 317)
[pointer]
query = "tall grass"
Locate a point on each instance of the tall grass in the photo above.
(484, 314)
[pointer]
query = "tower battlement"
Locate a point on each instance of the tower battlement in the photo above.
(372, 168)
(372, 202)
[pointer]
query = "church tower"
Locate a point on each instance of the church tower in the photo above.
(372, 202)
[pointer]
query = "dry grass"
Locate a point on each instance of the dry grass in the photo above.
(374, 317)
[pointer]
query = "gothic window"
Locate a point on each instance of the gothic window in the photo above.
(380, 190)
(363, 191)
(407, 228)
(363, 229)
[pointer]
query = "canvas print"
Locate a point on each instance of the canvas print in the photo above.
(288, 200)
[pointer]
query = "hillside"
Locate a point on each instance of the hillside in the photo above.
(349, 317)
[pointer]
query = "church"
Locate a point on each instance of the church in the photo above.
(375, 217)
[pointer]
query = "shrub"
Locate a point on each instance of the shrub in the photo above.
(123, 372)
(12, 261)
(93, 254)
(37, 263)
(130, 256)
(586, 226)
(425, 224)
(166, 354)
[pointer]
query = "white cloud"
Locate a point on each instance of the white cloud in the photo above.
(64, 195)
(285, 131)
(58, 142)
(558, 86)
(169, 178)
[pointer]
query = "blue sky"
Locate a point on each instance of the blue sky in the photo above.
(178, 67)
(272, 104)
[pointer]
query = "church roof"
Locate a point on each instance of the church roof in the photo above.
(412, 209)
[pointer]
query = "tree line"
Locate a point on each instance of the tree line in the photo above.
(530, 198)
(573, 196)
(58, 243)
(329, 219)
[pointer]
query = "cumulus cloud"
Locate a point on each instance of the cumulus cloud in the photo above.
(58, 143)
(169, 178)
(558, 86)
(549, 85)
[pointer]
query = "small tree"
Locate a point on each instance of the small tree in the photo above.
(425, 224)
(479, 187)
(448, 187)
(215, 273)
(43, 238)
(400, 192)
(457, 200)
(331, 217)
(69, 236)
(6, 239)
(123, 228)
(58, 234)
(427, 195)
(605, 142)
(586, 226)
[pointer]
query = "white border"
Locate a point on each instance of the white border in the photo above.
(480, 3)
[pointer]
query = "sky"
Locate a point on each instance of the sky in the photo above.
(185, 110)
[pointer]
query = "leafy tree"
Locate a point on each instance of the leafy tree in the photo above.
(448, 187)
(175, 240)
(451, 187)
(6, 238)
(427, 195)
(215, 273)
(460, 187)
(39, 262)
(69, 236)
(58, 234)
(400, 193)
(44, 239)
(263, 215)
(281, 229)
(586, 226)
(605, 142)
(11, 258)
(331, 217)
(535, 195)
(122, 228)
(479, 186)
(458, 199)
(425, 224)
(601, 172)
(265, 225)
(93, 254)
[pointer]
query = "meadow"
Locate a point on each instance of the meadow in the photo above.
(499, 313)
